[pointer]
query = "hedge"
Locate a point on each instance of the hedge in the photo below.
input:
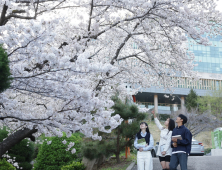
(54, 156)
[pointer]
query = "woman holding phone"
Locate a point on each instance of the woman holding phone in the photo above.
(144, 144)
(164, 150)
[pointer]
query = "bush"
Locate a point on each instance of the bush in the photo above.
(74, 166)
(55, 156)
(22, 151)
(5, 165)
(206, 151)
(36, 150)
(3, 133)
(5, 78)
(96, 149)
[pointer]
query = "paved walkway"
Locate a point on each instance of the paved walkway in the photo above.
(156, 165)
(195, 163)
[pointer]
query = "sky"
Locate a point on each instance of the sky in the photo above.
(219, 7)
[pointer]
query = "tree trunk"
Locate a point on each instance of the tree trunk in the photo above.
(2, 19)
(15, 138)
(117, 147)
(117, 158)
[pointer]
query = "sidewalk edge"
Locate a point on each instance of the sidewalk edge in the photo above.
(130, 166)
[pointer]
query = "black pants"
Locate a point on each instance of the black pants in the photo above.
(166, 158)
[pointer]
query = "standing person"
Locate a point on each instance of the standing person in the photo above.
(165, 141)
(181, 148)
(144, 157)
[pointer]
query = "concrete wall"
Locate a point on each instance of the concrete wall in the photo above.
(216, 152)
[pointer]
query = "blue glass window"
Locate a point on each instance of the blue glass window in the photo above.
(208, 58)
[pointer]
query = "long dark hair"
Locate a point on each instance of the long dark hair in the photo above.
(147, 129)
(171, 125)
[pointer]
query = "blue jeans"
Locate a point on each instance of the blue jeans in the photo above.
(178, 158)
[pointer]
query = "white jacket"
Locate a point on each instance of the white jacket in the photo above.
(165, 138)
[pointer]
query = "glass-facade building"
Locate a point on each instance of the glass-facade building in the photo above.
(209, 60)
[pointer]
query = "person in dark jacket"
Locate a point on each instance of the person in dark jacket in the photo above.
(181, 148)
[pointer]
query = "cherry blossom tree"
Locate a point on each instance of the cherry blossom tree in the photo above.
(68, 57)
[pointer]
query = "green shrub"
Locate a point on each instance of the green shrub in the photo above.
(5, 165)
(5, 78)
(206, 151)
(96, 149)
(22, 151)
(55, 156)
(36, 150)
(3, 133)
(74, 166)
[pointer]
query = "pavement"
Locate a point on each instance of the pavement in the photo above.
(156, 165)
(194, 163)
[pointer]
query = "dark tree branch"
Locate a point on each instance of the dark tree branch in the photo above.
(19, 16)
(3, 20)
(90, 15)
(1, 104)
(121, 7)
(63, 44)
(90, 57)
(36, 1)
(24, 120)
(15, 138)
(42, 105)
(118, 22)
(120, 47)
(114, 75)
(22, 46)
(50, 9)
(18, 11)
(129, 56)
(101, 12)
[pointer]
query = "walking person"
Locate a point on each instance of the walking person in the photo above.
(144, 157)
(164, 150)
(181, 147)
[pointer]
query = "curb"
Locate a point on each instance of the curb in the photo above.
(130, 166)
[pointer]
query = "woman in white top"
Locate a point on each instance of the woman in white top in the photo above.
(164, 150)
(144, 144)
